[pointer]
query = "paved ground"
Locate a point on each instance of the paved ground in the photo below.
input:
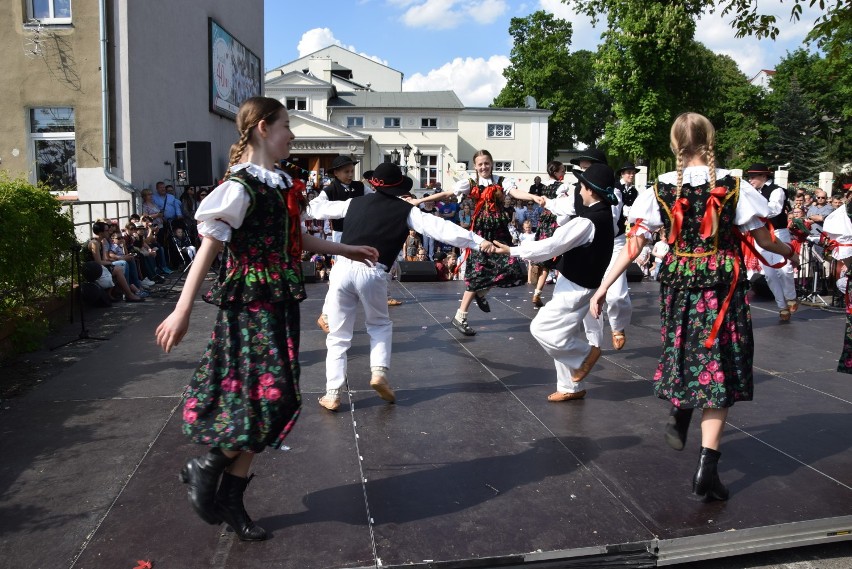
(80, 422)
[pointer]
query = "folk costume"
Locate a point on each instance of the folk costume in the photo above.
(245, 393)
(381, 220)
(838, 227)
(583, 247)
(780, 280)
(491, 222)
(708, 347)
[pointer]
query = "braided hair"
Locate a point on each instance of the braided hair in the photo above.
(252, 111)
(693, 135)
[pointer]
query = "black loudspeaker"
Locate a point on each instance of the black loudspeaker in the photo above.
(417, 271)
(193, 163)
(309, 271)
(634, 273)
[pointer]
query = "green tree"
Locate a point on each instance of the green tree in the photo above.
(543, 67)
(796, 139)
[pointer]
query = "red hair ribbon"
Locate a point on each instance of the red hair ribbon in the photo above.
(710, 221)
(632, 248)
(295, 197)
(724, 308)
(681, 205)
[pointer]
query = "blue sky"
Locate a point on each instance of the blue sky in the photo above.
(464, 45)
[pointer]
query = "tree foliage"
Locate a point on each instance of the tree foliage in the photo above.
(543, 67)
(796, 138)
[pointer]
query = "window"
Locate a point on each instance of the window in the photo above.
(392, 122)
(502, 166)
(49, 11)
(355, 122)
(297, 103)
(54, 147)
(428, 170)
(499, 131)
(429, 123)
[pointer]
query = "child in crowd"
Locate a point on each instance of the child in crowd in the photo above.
(184, 243)
(528, 235)
(245, 396)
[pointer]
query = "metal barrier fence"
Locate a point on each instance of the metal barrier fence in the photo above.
(83, 214)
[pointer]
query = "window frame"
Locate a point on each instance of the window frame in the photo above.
(428, 170)
(50, 20)
(432, 126)
(398, 121)
(350, 120)
(495, 126)
(503, 166)
(296, 101)
(34, 138)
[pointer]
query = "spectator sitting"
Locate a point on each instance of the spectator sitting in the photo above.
(412, 244)
(444, 273)
(144, 255)
(184, 243)
(118, 255)
(451, 262)
(111, 275)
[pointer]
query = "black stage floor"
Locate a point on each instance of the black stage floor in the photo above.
(472, 467)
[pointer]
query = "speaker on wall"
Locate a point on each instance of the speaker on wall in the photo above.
(417, 271)
(193, 163)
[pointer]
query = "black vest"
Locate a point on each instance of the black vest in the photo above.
(587, 264)
(780, 220)
(379, 220)
(337, 192)
(627, 199)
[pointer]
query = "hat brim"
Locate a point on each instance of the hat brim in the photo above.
(751, 173)
(402, 188)
(605, 197)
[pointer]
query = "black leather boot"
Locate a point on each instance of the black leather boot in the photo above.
(202, 474)
(230, 508)
(677, 427)
(706, 485)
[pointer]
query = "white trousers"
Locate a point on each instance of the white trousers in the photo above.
(335, 237)
(351, 282)
(558, 327)
(617, 308)
(780, 281)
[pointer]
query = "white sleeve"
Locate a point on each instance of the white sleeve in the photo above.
(322, 208)
(751, 207)
(561, 206)
(443, 230)
(222, 210)
(838, 226)
(647, 209)
(776, 201)
(462, 187)
(576, 232)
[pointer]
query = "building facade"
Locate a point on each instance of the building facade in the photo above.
(101, 90)
(343, 103)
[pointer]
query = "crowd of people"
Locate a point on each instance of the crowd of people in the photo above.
(244, 396)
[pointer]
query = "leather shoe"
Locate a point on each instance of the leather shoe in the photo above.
(330, 403)
(321, 322)
(792, 306)
(784, 315)
(482, 303)
(394, 302)
(380, 384)
(587, 364)
(536, 300)
(558, 397)
(463, 327)
(618, 340)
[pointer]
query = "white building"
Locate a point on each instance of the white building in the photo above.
(343, 103)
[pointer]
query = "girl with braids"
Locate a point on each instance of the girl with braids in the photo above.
(490, 221)
(245, 396)
(548, 223)
(708, 348)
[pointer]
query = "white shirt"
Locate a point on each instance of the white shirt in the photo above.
(575, 233)
(838, 226)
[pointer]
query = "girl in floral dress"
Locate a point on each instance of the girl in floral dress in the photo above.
(708, 346)
(491, 221)
(547, 224)
(245, 396)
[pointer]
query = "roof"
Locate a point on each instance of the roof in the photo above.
(406, 99)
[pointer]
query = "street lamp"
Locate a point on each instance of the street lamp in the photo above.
(406, 152)
(395, 156)
(418, 156)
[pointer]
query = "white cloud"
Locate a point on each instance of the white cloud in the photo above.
(319, 38)
(448, 14)
(585, 35)
(476, 81)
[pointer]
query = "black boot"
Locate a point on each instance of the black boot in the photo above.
(677, 427)
(230, 508)
(706, 485)
(202, 474)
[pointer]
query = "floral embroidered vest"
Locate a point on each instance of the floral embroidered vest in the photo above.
(261, 264)
(693, 261)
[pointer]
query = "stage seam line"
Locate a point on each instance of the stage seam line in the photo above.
(778, 375)
(591, 472)
(361, 471)
(91, 535)
(791, 457)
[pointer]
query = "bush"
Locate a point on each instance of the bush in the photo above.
(35, 243)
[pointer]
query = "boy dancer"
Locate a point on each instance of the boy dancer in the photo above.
(585, 245)
(383, 220)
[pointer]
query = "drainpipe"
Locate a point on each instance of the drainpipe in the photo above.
(122, 183)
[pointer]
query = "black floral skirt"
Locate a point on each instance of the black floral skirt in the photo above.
(245, 393)
(690, 375)
(845, 363)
